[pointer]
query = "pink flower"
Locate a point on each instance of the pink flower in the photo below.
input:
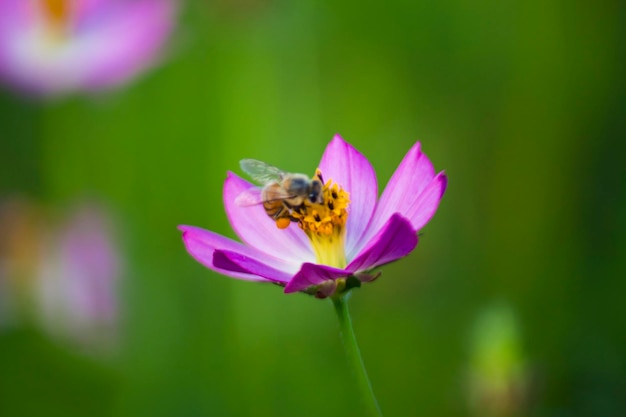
(335, 245)
(56, 46)
(78, 279)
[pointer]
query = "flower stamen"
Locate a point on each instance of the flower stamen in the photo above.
(325, 223)
(57, 15)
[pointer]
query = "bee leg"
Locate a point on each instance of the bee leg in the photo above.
(318, 174)
(278, 213)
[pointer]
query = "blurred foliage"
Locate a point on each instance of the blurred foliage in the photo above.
(521, 103)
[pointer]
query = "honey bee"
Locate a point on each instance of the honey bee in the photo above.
(281, 192)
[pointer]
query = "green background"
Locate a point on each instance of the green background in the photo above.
(522, 103)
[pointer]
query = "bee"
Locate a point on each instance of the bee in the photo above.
(281, 192)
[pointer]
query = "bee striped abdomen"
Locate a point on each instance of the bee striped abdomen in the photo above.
(274, 203)
(275, 209)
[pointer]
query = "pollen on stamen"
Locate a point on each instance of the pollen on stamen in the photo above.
(324, 223)
(57, 11)
(327, 218)
(57, 16)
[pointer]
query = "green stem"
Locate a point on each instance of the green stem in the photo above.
(352, 350)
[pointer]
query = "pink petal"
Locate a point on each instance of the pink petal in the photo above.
(15, 14)
(424, 208)
(395, 240)
(403, 193)
(129, 40)
(86, 10)
(202, 245)
(313, 274)
(258, 230)
(347, 167)
(238, 263)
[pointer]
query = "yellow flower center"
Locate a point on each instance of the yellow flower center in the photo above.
(325, 223)
(57, 15)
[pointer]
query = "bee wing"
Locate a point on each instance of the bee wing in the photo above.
(250, 197)
(273, 193)
(261, 172)
(255, 195)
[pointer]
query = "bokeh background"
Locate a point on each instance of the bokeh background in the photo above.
(512, 304)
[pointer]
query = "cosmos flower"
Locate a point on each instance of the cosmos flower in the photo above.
(329, 247)
(61, 274)
(49, 47)
(77, 282)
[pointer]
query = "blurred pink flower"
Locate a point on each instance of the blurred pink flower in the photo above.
(77, 282)
(56, 46)
(347, 236)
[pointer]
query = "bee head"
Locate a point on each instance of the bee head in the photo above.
(297, 185)
(315, 192)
